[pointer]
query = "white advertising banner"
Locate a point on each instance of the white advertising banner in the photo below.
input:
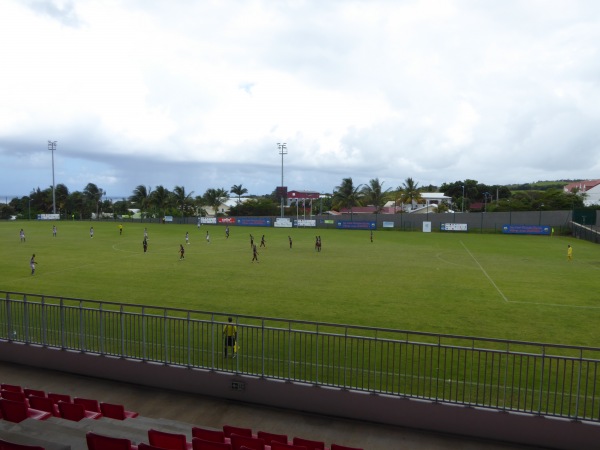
(211, 220)
(426, 227)
(282, 222)
(306, 223)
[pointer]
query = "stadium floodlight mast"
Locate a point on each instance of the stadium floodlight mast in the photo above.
(463, 200)
(52, 147)
(282, 151)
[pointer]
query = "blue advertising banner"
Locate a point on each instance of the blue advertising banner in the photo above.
(253, 222)
(355, 225)
(527, 229)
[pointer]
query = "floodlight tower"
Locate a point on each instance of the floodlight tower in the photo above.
(52, 147)
(282, 151)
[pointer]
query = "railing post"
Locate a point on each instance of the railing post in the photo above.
(345, 357)
(25, 320)
(11, 331)
(189, 338)
(289, 358)
(44, 323)
(166, 337)
(212, 342)
(262, 330)
(62, 324)
(81, 329)
(542, 379)
(122, 331)
(101, 331)
(579, 386)
(144, 336)
(317, 355)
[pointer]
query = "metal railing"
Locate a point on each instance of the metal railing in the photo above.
(533, 378)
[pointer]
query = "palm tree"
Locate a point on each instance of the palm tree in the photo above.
(93, 194)
(373, 194)
(346, 196)
(238, 190)
(182, 199)
(141, 197)
(162, 199)
(410, 192)
(215, 198)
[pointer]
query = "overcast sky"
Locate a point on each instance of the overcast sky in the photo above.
(199, 93)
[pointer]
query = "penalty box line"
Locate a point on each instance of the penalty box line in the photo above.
(484, 272)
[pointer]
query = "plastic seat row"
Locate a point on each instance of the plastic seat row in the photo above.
(231, 438)
(38, 399)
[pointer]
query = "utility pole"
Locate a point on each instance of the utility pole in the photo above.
(52, 147)
(282, 151)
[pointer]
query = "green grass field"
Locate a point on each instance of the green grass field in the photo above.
(484, 285)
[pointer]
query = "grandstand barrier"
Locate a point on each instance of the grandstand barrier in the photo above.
(523, 392)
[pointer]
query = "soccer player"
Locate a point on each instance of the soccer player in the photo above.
(32, 263)
(290, 239)
(22, 235)
(227, 232)
(262, 241)
(251, 241)
(187, 237)
(371, 236)
(120, 229)
(207, 237)
(318, 243)
(569, 253)
(145, 244)
(181, 252)
(254, 254)
(54, 230)
(230, 333)
(91, 232)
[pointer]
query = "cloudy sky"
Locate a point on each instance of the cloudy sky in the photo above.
(199, 93)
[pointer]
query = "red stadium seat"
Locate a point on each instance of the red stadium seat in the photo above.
(71, 411)
(44, 404)
(272, 437)
(252, 443)
(11, 387)
(310, 445)
(208, 434)
(88, 404)
(115, 411)
(201, 444)
(102, 442)
(229, 430)
(36, 392)
(18, 412)
(14, 396)
(168, 441)
(59, 398)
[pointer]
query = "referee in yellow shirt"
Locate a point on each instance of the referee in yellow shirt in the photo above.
(230, 333)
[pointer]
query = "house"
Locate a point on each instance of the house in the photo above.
(303, 196)
(591, 189)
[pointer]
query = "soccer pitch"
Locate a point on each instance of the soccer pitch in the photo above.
(470, 284)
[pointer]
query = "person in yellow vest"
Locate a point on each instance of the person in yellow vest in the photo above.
(569, 252)
(230, 333)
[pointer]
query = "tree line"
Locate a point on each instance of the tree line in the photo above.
(466, 195)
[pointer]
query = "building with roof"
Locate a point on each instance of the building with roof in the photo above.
(591, 189)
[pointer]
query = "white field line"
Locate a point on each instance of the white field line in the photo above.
(559, 305)
(484, 272)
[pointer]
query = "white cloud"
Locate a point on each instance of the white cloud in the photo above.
(435, 90)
